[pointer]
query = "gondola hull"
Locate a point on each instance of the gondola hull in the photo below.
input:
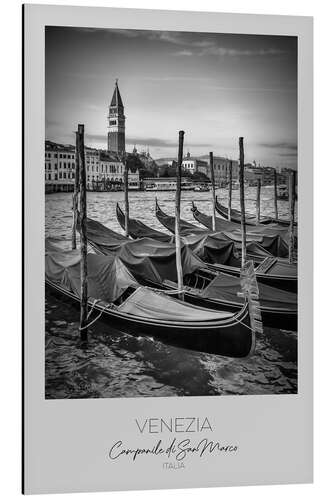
(282, 282)
(283, 318)
(249, 219)
(286, 282)
(230, 337)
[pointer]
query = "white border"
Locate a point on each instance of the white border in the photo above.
(289, 416)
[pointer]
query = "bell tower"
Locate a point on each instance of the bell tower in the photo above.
(116, 123)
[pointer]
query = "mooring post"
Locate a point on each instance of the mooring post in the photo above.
(126, 193)
(212, 178)
(242, 199)
(83, 236)
(292, 196)
(230, 190)
(258, 200)
(177, 215)
(275, 196)
(76, 190)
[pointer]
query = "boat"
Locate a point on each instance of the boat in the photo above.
(137, 229)
(168, 221)
(273, 271)
(117, 298)
(275, 243)
(153, 264)
(211, 247)
(226, 226)
(167, 184)
(250, 220)
(202, 188)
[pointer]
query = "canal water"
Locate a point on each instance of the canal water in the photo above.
(114, 364)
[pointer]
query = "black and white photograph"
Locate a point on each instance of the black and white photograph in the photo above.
(171, 185)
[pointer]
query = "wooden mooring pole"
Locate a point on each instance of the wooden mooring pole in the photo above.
(126, 194)
(258, 200)
(177, 215)
(230, 190)
(76, 190)
(242, 198)
(83, 236)
(275, 196)
(292, 196)
(212, 178)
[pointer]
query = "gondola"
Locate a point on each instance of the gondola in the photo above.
(116, 297)
(249, 219)
(153, 264)
(274, 243)
(226, 226)
(212, 246)
(137, 229)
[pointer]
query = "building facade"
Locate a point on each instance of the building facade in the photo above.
(116, 124)
(192, 165)
(59, 167)
(104, 171)
(221, 170)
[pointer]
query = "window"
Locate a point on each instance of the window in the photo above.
(60, 175)
(64, 175)
(55, 177)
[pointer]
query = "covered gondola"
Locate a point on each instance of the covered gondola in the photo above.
(168, 221)
(210, 247)
(137, 229)
(249, 219)
(274, 243)
(224, 225)
(116, 297)
(153, 264)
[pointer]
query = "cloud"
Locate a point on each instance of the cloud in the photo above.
(288, 155)
(214, 50)
(192, 46)
(279, 145)
(96, 137)
(159, 142)
(184, 53)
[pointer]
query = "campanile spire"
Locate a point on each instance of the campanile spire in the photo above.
(116, 122)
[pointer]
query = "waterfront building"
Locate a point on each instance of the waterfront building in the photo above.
(116, 123)
(221, 169)
(192, 165)
(59, 167)
(104, 170)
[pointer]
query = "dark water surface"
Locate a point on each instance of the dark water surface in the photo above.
(115, 364)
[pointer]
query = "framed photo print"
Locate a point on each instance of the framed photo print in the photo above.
(167, 249)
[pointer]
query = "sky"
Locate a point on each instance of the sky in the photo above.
(215, 87)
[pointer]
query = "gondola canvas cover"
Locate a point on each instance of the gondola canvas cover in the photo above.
(170, 376)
